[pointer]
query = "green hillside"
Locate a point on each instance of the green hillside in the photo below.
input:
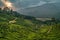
(15, 26)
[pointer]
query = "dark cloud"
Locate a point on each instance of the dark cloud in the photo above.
(20, 4)
(1, 4)
(27, 3)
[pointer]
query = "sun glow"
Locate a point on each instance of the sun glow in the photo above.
(8, 4)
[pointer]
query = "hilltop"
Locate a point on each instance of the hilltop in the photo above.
(15, 26)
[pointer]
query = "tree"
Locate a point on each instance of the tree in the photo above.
(0, 10)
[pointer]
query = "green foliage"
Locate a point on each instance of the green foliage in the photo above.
(27, 29)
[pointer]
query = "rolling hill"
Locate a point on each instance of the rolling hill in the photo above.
(15, 26)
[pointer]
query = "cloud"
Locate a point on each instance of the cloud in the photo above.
(38, 4)
(32, 3)
(1, 4)
(21, 4)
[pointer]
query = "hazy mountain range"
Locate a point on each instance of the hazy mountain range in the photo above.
(46, 10)
(37, 8)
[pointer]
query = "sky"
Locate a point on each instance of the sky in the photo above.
(31, 3)
(20, 4)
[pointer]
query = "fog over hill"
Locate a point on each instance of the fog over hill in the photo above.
(37, 8)
(46, 10)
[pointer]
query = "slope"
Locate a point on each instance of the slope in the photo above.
(14, 26)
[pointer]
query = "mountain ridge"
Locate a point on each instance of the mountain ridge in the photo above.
(47, 10)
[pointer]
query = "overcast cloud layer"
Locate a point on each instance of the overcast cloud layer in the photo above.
(19, 4)
(32, 3)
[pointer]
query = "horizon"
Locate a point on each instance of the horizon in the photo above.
(48, 8)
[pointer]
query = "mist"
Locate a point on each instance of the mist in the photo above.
(37, 8)
(21, 4)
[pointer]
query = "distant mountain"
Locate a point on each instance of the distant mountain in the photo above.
(47, 10)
